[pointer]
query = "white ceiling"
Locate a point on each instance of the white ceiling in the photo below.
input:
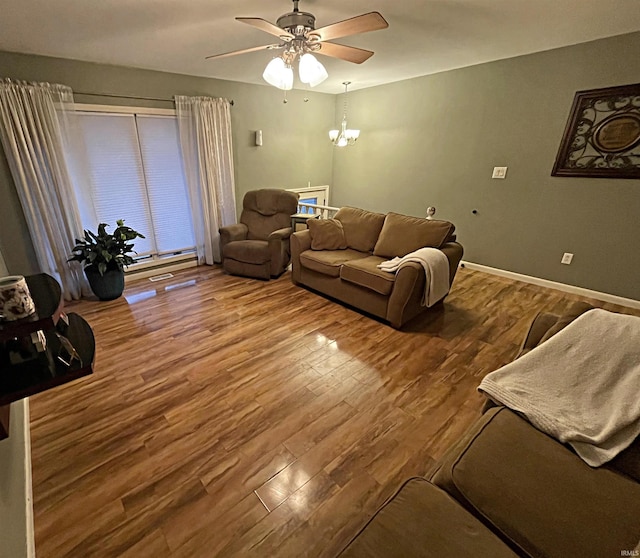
(424, 36)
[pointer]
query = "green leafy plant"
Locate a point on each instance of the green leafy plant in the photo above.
(105, 250)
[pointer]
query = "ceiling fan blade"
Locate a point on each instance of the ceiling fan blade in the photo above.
(348, 53)
(265, 26)
(359, 24)
(243, 51)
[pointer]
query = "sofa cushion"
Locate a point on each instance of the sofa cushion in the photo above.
(364, 272)
(539, 494)
(249, 251)
(328, 262)
(326, 234)
(422, 520)
(361, 227)
(402, 234)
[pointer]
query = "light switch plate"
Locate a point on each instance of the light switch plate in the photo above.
(499, 172)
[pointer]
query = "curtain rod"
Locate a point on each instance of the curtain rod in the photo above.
(116, 96)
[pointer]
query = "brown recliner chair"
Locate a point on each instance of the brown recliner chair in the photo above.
(258, 246)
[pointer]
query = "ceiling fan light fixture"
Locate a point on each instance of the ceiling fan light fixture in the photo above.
(299, 37)
(311, 70)
(278, 74)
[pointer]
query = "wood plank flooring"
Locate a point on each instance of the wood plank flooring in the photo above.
(234, 417)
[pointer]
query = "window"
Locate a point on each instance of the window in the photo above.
(316, 195)
(306, 209)
(135, 173)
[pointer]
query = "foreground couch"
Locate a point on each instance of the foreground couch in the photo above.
(507, 489)
(343, 266)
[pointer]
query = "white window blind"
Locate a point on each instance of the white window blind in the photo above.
(117, 178)
(168, 198)
(136, 175)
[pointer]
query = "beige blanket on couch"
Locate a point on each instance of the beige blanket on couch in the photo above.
(436, 272)
(582, 386)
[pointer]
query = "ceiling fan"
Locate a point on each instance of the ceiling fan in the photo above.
(299, 39)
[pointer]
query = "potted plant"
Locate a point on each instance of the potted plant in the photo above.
(105, 256)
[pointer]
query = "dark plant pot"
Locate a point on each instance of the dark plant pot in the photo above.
(108, 286)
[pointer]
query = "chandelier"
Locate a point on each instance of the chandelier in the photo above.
(344, 136)
(279, 71)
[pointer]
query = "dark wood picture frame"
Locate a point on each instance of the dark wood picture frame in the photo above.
(602, 136)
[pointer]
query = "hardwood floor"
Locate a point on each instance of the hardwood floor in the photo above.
(234, 417)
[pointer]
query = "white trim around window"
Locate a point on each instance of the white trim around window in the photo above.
(178, 257)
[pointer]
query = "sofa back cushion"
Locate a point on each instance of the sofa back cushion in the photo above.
(361, 227)
(326, 234)
(402, 234)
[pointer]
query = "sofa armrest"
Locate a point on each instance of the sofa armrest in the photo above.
(546, 325)
(539, 326)
(405, 301)
(280, 234)
(454, 252)
(300, 241)
(406, 295)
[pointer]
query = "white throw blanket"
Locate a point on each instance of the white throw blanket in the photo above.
(582, 386)
(436, 271)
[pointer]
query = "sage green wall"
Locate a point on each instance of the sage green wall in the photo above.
(295, 150)
(434, 140)
(427, 141)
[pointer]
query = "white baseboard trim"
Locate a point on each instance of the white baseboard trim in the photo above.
(605, 297)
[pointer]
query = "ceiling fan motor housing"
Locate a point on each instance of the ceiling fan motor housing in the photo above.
(297, 23)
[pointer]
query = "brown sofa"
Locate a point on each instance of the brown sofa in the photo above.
(507, 489)
(258, 246)
(338, 257)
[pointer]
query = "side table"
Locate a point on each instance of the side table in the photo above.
(67, 353)
(301, 219)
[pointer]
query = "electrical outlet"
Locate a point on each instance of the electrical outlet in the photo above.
(566, 258)
(499, 172)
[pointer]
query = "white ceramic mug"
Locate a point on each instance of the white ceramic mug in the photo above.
(15, 298)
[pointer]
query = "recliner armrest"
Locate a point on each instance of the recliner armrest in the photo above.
(280, 234)
(234, 232)
(280, 250)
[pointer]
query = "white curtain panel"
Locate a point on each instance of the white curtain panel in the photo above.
(204, 125)
(34, 129)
